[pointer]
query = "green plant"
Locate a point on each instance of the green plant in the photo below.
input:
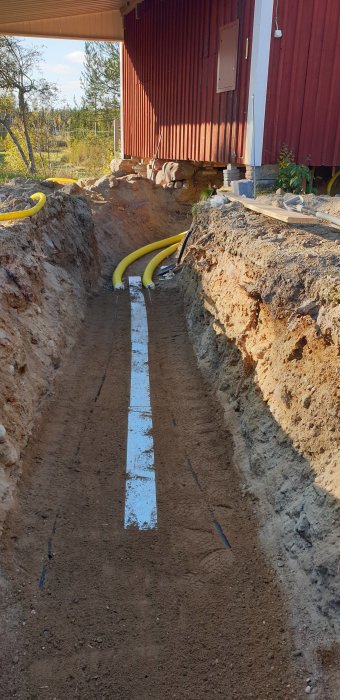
(206, 193)
(92, 153)
(293, 177)
(12, 160)
(286, 156)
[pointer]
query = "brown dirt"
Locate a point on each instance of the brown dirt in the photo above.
(312, 202)
(90, 611)
(130, 212)
(126, 614)
(47, 266)
(263, 309)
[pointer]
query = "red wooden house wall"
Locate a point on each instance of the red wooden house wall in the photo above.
(170, 59)
(303, 93)
(169, 81)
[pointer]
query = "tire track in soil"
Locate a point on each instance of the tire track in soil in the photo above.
(131, 615)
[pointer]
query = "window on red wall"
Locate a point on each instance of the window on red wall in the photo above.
(227, 57)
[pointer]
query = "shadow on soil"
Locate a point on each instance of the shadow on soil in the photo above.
(297, 517)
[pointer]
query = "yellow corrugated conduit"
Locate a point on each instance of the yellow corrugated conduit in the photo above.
(332, 182)
(39, 197)
(60, 180)
(117, 277)
(153, 264)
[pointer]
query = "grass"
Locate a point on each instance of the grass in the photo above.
(88, 157)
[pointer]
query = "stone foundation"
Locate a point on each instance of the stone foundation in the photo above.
(123, 166)
(266, 176)
(230, 174)
(194, 177)
(187, 178)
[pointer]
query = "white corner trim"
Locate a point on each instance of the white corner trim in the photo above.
(121, 100)
(262, 31)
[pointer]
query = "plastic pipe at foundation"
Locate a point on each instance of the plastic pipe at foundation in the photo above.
(150, 268)
(39, 197)
(117, 277)
(332, 181)
(328, 217)
(60, 180)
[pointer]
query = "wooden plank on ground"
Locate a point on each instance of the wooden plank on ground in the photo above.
(289, 217)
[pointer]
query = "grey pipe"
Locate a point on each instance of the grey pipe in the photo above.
(293, 201)
(328, 217)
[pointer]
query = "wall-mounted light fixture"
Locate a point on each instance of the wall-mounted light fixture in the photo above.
(277, 31)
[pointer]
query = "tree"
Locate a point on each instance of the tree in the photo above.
(100, 78)
(44, 122)
(17, 86)
(7, 109)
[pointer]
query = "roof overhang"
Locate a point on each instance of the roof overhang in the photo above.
(66, 19)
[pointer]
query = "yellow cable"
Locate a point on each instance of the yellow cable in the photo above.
(22, 214)
(117, 276)
(154, 262)
(60, 180)
(331, 182)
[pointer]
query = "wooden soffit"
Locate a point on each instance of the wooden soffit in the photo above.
(66, 19)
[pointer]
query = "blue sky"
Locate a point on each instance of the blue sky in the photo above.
(63, 61)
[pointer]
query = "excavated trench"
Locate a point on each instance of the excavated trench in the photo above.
(203, 605)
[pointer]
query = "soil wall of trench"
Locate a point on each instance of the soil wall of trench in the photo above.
(49, 264)
(262, 303)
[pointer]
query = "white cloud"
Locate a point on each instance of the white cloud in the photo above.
(58, 68)
(71, 84)
(70, 88)
(76, 57)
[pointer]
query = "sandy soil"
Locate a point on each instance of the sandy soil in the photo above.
(89, 610)
(263, 309)
(48, 264)
(130, 212)
(312, 202)
(126, 614)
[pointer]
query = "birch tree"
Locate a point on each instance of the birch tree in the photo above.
(18, 85)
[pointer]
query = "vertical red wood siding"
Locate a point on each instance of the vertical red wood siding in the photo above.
(303, 95)
(169, 81)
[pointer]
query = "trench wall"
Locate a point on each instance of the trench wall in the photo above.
(262, 304)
